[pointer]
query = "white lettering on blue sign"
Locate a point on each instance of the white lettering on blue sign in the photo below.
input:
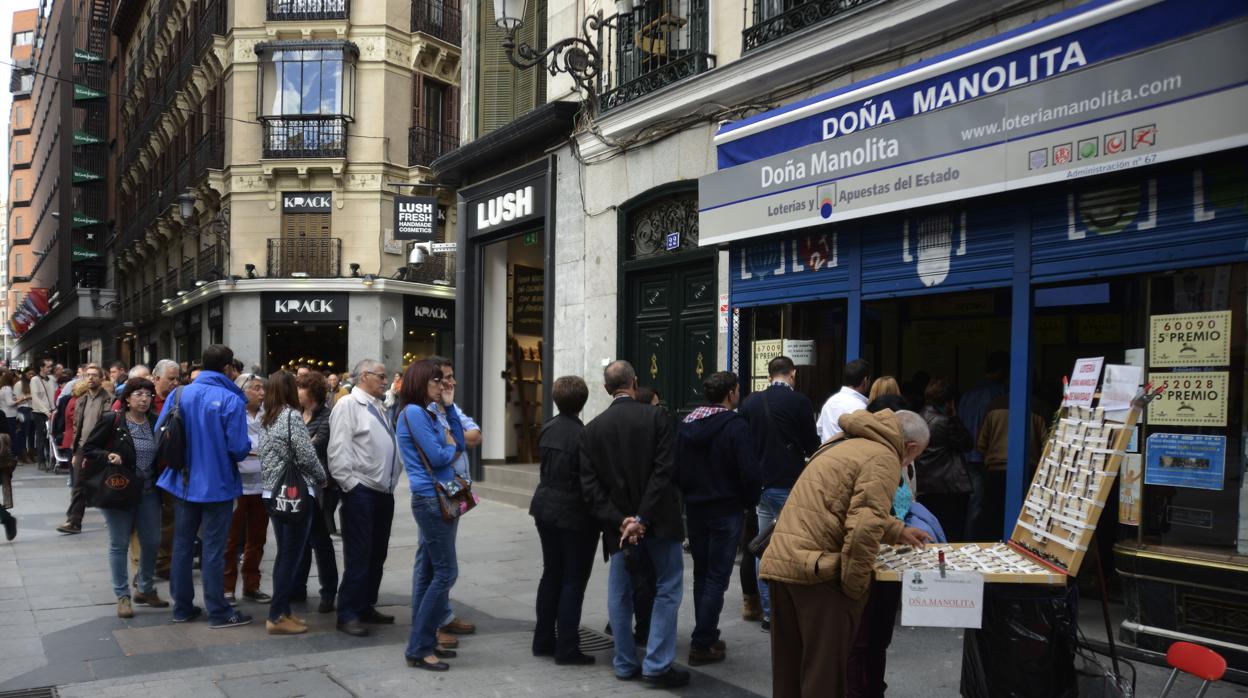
(673, 241)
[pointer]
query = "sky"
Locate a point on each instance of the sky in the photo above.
(7, 8)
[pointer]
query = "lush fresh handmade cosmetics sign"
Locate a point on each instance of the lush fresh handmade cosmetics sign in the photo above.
(1175, 101)
(955, 600)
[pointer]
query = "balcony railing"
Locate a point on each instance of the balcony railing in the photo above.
(318, 258)
(775, 19)
(424, 145)
(304, 10)
(305, 138)
(437, 18)
(652, 47)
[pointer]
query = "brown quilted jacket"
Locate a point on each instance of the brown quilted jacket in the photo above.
(840, 509)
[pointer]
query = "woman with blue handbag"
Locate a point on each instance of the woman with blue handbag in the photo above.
(430, 441)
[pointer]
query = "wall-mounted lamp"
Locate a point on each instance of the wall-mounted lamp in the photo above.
(355, 270)
(186, 205)
(251, 270)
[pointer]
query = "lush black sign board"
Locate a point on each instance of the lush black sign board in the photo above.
(527, 300)
(303, 307)
(417, 218)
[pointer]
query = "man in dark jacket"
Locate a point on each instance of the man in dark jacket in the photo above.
(627, 476)
(782, 422)
(718, 475)
(565, 527)
(941, 475)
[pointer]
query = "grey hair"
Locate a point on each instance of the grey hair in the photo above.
(246, 378)
(138, 371)
(365, 366)
(913, 427)
(162, 367)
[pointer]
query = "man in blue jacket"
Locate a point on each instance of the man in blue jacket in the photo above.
(215, 417)
(719, 475)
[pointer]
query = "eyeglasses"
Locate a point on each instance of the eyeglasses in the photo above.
(436, 379)
(142, 393)
(379, 374)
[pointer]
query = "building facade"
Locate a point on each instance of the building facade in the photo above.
(62, 300)
(261, 148)
(744, 183)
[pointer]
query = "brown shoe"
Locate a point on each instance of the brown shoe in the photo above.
(298, 620)
(699, 657)
(150, 598)
(751, 607)
(447, 641)
(459, 627)
(124, 609)
(284, 626)
(69, 527)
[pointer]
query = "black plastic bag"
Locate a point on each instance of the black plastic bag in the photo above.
(1026, 647)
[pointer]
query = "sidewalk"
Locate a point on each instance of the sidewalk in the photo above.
(59, 628)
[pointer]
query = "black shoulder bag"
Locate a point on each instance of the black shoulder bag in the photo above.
(287, 501)
(115, 485)
(171, 441)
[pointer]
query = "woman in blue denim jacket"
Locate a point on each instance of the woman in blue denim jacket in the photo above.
(430, 441)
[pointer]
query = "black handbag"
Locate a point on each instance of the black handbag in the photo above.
(455, 498)
(288, 502)
(114, 486)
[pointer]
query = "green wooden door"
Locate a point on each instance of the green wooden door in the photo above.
(670, 333)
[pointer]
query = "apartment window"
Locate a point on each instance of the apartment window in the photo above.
(25, 38)
(18, 155)
(19, 189)
(17, 264)
(18, 225)
(306, 78)
(19, 117)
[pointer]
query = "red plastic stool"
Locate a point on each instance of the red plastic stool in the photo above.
(1201, 662)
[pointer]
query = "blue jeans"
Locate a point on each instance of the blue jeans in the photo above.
(367, 516)
(215, 518)
(292, 546)
(669, 567)
(144, 520)
(769, 507)
(433, 575)
(713, 543)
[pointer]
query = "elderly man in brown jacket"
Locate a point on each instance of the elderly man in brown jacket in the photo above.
(820, 559)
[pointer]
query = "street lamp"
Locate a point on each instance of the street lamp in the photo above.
(579, 57)
(186, 205)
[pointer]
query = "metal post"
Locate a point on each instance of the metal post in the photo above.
(1020, 372)
(853, 322)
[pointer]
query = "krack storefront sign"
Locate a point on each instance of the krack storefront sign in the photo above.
(429, 312)
(303, 307)
(307, 202)
(516, 204)
(417, 218)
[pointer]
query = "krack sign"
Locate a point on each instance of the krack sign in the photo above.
(307, 202)
(423, 311)
(416, 218)
(304, 307)
(517, 203)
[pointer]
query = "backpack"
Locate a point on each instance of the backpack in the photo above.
(171, 440)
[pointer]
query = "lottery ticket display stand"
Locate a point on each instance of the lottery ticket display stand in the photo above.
(1027, 578)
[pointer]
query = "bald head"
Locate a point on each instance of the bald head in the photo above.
(619, 377)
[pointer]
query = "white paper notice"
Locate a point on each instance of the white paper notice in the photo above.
(802, 351)
(1121, 384)
(1083, 382)
(953, 601)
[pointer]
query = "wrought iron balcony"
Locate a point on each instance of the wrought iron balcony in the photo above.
(425, 145)
(305, 138)
(776, 19)
(652, 47)
(318, 258)
(303, 10)
(437, 18)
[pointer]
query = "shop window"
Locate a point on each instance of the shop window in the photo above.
(812, 334)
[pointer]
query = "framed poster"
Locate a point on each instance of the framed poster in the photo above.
(1189, 400)
(1196, 461)
(1190, 339)
(528, 300)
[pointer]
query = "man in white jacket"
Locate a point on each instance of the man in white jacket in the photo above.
(364, 461)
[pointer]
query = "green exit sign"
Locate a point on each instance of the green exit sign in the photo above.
(530, 238)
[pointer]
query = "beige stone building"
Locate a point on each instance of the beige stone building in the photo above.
(261, 148)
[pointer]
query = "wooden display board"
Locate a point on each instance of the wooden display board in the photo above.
(1082, 456)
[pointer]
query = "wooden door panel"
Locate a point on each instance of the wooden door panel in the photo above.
(697, 361)
(654, 357)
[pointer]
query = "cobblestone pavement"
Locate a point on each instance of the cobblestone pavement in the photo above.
(58, 627)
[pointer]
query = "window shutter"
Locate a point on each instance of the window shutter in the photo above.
(450, 107)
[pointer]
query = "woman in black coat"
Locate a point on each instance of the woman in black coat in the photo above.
(313, 391)
(568, 533)
(943, 483)
(128, 438)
